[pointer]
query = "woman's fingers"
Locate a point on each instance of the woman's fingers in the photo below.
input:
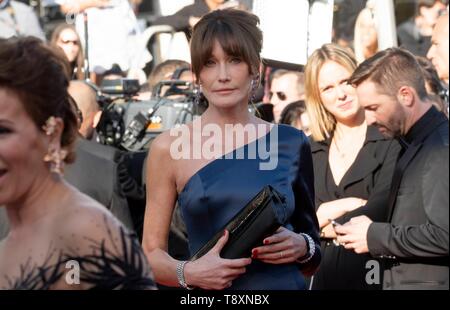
(277, 237)
(237, 263)
(268, 249)
(221, 243)
(278, 255)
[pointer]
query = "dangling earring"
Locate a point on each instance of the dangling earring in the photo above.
(54, 156)
(198, 94)
(56, 159)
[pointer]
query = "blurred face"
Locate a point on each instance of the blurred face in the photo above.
(439, 50)
(431, 14)
(225, 79)
(283, 90)
(368, 31)
(22, 149)
(338, 97)
(382, 111)
(68, 41)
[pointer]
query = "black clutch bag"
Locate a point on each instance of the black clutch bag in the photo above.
(260, 218)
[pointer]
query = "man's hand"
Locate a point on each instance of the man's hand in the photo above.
(353, 234)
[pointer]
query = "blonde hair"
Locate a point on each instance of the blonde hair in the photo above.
(323, 122)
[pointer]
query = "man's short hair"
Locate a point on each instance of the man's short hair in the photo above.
(300, 82)
(164, 70)
(391, 69)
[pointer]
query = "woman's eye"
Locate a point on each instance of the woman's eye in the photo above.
(209, 63)
(236, 60)
(4, 130)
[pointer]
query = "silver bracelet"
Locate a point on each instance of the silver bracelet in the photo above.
(180, 275)
(311, 249)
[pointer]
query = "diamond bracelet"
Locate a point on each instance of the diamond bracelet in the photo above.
(180, 275)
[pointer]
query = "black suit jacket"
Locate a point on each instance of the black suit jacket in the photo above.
(368, 178)
(96, 173)
(415, 242)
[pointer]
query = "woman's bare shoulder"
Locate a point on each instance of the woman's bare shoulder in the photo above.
(164, 143)
(84, 216)
(104, 249)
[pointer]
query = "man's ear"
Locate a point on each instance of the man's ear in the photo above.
(406, 95)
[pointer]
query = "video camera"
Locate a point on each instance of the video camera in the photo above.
(131, 124)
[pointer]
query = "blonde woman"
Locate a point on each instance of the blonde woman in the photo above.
(353, 163)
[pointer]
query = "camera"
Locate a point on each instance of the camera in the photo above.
(130, 124)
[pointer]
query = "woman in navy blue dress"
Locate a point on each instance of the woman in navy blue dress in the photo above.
(217, 164)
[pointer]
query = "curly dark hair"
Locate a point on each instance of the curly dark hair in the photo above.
(40, 77)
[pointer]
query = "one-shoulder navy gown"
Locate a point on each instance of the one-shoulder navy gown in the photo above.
(218, 191)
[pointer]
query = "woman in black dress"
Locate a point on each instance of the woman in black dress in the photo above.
(353, 164)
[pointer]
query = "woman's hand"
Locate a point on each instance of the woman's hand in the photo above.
(333, 209)
(211, 272)
(328, 232)
(283, 247)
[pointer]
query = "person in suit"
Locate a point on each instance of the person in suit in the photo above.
(353, 164)
(96, 174)
(97, 168)
(413, 242)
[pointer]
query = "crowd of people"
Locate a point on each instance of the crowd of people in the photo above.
(355, 144)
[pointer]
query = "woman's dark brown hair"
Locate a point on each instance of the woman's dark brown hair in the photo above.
(78, 65)
(236, 31)
(39, 75)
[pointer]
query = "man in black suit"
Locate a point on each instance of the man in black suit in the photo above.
(96, 173)
(414, 242)
(98, 169)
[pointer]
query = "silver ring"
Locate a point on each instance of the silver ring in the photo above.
(281, 254)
